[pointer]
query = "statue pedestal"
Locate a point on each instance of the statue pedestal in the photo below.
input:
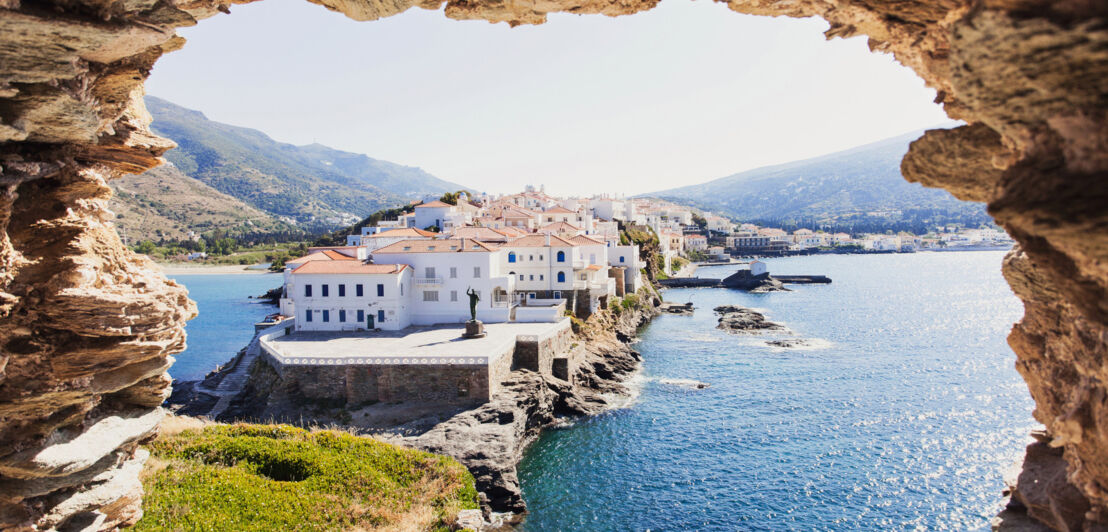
(474, 329)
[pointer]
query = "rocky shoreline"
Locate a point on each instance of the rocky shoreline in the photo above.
(488, 439)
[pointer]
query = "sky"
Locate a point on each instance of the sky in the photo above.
(682, 94)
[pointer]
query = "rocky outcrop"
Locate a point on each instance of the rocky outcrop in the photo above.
(87, 328)
(736, 319)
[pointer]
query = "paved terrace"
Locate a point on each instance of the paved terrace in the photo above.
(438, 344)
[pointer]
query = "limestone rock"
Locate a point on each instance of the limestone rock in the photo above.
(83, 321)
(736, 319)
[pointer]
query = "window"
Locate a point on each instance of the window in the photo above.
(521, 277)
(532, 278)
(531, 258)
(342, 316)
(358, 292)
(453, 295)
(308, 316)
(511, 256)
(540, 277)
(429, 272)
(540, 257)
(308, 291)
(324, 294)
(380, 316)
(592, 258)
(561, 256)
(621, 258)
(557, 295)
(326, 316)
(453, 272)
(342, 292)
(430, 295)
(476, 272)
(381, 290)
(561, 277)
(531, 295)
(361, 316)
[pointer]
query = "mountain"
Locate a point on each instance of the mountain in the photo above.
(316, 187)
(857, 187)
(165, 203)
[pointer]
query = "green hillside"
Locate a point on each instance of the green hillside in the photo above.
(165, 204)
(861, 187)
(315, 187)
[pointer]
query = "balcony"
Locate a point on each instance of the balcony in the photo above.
(427, 281)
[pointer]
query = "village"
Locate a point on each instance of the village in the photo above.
(438, 304)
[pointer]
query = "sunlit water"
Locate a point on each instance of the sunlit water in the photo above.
(226, 320)
(902, 417)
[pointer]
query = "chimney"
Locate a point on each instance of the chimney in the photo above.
(548, 238)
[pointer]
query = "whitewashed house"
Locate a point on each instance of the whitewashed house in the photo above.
(443, 271)
(349, 295)
(433, 214)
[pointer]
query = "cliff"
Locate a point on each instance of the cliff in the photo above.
(88, 328)
(488, 439)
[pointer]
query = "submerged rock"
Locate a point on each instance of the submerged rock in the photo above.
(681, 309)
(789, 343)
(734, 318)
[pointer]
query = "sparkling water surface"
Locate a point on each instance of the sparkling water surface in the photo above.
(226, 320)
(902, 416)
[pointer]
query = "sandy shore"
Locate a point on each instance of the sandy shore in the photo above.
(192, 269)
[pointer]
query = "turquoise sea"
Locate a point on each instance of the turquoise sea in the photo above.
(901, 416)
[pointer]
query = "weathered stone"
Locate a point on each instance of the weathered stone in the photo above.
(1028, 76)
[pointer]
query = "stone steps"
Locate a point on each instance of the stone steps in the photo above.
(233, 382)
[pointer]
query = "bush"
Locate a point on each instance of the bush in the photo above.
(276, 477)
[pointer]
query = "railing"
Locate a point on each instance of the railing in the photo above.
(427, 280)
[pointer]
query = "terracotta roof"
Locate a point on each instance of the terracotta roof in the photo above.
(435, 203)
(585, 240)
(560, 226)
(405, 232)
(449, 245)
(559, 210)
(342, 267)
(325, 255)
(539, 241)
(594, 267)
(481, 233)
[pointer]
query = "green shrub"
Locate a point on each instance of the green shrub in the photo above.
(276, 477)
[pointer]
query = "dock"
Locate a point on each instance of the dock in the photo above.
(702, 282)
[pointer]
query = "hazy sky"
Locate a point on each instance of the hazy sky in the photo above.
(685, 93)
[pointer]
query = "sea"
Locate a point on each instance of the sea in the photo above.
(902, 412)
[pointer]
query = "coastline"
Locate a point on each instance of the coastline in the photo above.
(170, 270)
(490, 438)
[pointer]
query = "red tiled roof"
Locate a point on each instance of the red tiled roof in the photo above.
(403, 232)
(560, 226)
(435, 203)
(325, 255)
(539, 241)
(585, 240)
(344, 267)
(594, 267)
(559, 210)
(449, 245)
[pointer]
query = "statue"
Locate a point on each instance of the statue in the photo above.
(473, 299)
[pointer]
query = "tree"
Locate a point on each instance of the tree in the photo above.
(145, 247)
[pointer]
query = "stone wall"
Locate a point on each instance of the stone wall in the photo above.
(537, 353)
(357, 384)
(87, 328)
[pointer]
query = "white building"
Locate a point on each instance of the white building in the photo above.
(347, 295)
(433, 214)
(443, 271)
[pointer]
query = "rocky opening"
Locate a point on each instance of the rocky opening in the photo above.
(89, 328)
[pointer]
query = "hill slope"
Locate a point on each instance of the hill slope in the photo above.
(862, 185)
(164, 203)
(317, 187)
